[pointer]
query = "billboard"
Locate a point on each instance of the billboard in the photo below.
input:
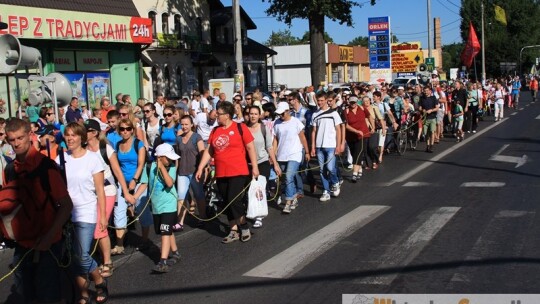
(379, 49)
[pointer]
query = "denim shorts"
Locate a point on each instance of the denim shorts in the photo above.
(37, 282)
(120, 209)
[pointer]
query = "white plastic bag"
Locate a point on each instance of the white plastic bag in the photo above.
(257, 205)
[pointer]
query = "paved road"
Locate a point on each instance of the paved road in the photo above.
(449, 222)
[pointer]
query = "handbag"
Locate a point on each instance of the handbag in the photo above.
(257, 203)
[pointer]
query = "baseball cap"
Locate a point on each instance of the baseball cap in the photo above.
(401, 88)
(265, 99)
(282, 107)
(287, 93)
(92, 125)
(166, 150)
(353, 99)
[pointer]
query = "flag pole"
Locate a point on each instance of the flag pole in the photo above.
(483, 48)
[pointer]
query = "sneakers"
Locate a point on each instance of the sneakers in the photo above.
(174, 258)
(161, 268)
(233, 236)
(294, 203)
(336, 189)
(258, 223)
(474, 131)
(325, 197)
(287, 209)
(279, 201)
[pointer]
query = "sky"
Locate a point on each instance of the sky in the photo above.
(408, 20)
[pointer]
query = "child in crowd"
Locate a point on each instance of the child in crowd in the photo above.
(457, 114)
(164, 206)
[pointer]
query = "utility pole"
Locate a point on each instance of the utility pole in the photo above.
(239, 73)
(483, 47)
(429, 26)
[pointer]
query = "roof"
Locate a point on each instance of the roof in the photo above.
(224, 15)
(108, 7)
(252, 48)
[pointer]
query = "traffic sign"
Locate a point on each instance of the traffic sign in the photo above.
(430, 62)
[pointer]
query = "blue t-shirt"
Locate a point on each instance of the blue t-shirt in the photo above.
(163, 199)
(516, 85)
(168, 135)
(113, 138)
(128, 160)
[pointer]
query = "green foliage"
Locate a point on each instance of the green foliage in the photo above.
(305, 39)
(451, 56)
(283, 37)
(503, 43)
(360, 40)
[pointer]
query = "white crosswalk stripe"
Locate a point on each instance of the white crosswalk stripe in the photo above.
(296, 257)
(411, 242)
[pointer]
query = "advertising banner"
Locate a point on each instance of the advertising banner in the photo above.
(43, 23)
(98, 85)
(440, 298)
(78, 86)
(406, 61)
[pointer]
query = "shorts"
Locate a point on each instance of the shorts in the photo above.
(382, 138)
(184, 183)
(120, 209)
(458, 124)
(164, 222)
(440, 116)
(430, 125)
(109, 205)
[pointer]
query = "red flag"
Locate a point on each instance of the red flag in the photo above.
(471, 48)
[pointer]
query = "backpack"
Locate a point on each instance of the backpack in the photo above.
(25, 212)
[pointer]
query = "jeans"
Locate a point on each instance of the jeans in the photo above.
(291, 174)
(83, 235)
(327, 164)
(37, 282)
(184, 182)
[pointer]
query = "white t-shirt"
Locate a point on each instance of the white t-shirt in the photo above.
(289, 145)
(152, 131)
(196, 106)
(110, 190)
(81, 189)
(326, 121)
(311, 99)
(203, 128)
(204, 104)
(159, 109)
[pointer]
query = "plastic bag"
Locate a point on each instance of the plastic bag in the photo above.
(257, 204)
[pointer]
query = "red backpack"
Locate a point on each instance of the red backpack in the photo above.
(27, 210)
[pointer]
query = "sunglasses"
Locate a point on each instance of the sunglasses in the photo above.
(91, 130)
(147, 111)
(49, 114)
(122, 129)
(2, 134)
(248, 98)
(124, 114)
(237, 99)
(168, 114)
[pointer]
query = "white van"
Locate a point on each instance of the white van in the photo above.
(405, 82)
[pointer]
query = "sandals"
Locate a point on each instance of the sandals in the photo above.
(102, 291)
(246, 235)
(106, 270)
(178, 227)
(84, 300)
(233, 236)
(117, 250)
(258, 224)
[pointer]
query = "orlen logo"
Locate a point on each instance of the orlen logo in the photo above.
(140, 30)
(378, 26)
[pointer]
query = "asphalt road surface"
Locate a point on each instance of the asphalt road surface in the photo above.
(461, 220)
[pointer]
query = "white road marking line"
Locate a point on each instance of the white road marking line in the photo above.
(406, 176)
(483, 185)
(416, 184)
(537, 117)
(402, 253)
(491, 244)
(521, 109)
(296, 257)
(514, 113)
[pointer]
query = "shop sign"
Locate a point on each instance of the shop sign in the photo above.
(42, 23)
(406, 61)
(64, 61)
(345, 53)
(167, 40)
(412, 46)
(92, 61)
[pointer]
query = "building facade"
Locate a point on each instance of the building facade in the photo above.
(95, 45)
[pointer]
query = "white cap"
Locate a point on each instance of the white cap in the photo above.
(347, 92)
(282, 107)
(287, 93)
(401, 88)
(166, 150)
(435, 72)
(265, 99)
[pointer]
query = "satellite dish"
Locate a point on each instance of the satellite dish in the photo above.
(44, 94)
(14, 55)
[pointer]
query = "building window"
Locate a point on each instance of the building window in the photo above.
(199, 28)
(167, 81)
(179, 80)
(178, 26)
(152, 16)
(165, 23)
(154, 76)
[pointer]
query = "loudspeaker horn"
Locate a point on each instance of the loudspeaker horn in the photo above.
(422, 67)
(14, 55)
(61, 86)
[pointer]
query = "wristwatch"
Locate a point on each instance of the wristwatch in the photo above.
(136, 180)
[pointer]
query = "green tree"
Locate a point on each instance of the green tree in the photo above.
(503, 43)
(315, 11)
(360, 40)
(451, 56)
(305, 38)
(283, 37)
(395, 39)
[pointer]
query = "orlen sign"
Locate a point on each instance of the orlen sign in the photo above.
(42, 23)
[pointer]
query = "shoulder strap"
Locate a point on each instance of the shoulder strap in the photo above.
(263, 131)
(240, 131)
(103, 152)
(193, 140)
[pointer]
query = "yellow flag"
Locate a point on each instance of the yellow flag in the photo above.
(500, 14)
